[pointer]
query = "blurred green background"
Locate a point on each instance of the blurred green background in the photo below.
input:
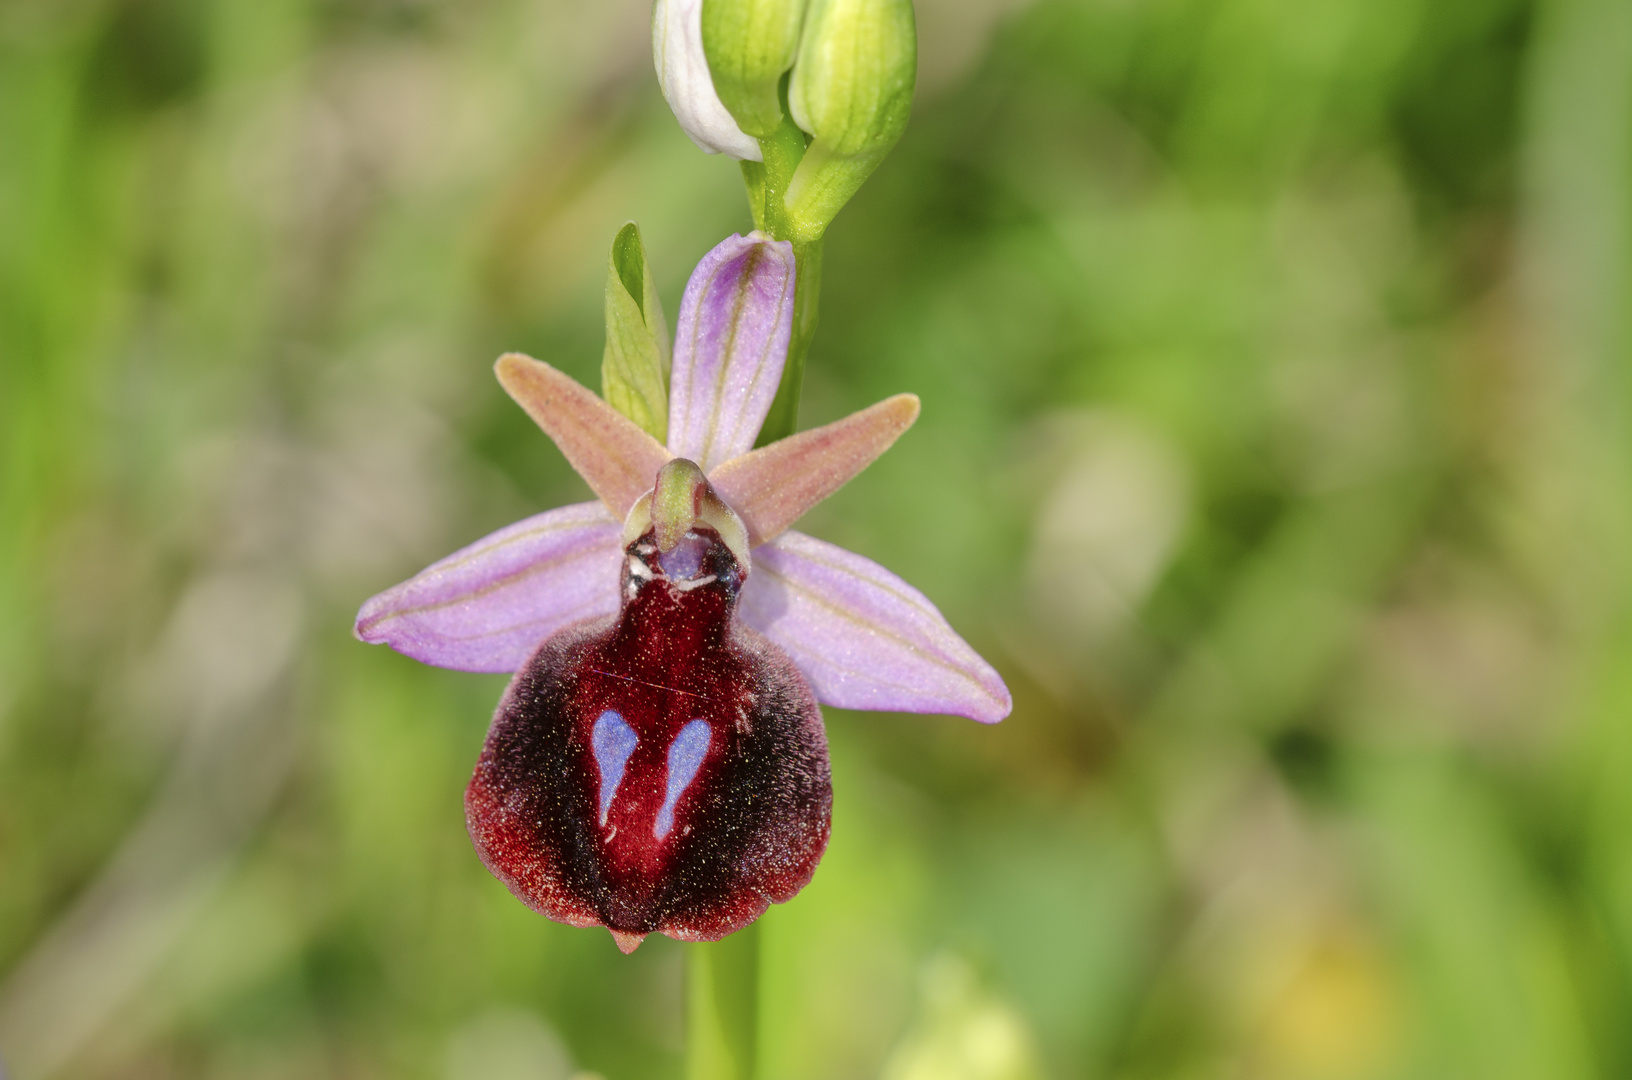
(1274, 361)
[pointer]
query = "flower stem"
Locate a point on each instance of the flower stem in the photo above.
(783, 418)
(722, 1007)
(767, 184)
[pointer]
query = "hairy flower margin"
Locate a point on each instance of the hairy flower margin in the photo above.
(862, 637)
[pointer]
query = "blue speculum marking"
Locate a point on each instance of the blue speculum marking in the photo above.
(613, 742)
(686, 754)
(686, 560)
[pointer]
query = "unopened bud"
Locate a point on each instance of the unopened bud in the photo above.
(852, 92)
(852, 85)
(750, 44)
(682, 72)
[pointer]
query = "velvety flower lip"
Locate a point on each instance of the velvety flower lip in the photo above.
(663, 770)
(862, 637)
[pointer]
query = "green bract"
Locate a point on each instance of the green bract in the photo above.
(750, 44)
(635, 366)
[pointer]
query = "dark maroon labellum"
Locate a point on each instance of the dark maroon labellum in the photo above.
(662, 770)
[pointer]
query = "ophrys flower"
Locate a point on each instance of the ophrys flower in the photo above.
(658, 764)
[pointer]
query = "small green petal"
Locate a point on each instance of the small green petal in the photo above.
(635, 366)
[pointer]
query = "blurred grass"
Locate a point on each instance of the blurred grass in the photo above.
(1274, 359)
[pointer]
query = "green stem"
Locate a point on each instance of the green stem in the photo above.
(767, 184)
(722, 977)
(722, 1007)
(768, 180)
(783, 418)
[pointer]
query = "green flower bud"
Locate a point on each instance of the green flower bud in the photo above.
(852, 85)
(635, 366)
(749, 45)
(852, 91)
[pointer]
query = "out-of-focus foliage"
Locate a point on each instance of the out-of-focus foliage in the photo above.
(1274, 361)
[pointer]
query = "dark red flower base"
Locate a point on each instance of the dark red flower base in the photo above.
(662, 770)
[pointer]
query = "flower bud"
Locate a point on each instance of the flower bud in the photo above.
(852, 85)
(750, 44)
(851, 91)
(682, 72)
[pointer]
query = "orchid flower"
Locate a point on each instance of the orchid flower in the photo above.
(658, 761)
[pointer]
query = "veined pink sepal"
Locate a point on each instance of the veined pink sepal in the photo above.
(730, 343)
(864, 638)
(487, 606)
